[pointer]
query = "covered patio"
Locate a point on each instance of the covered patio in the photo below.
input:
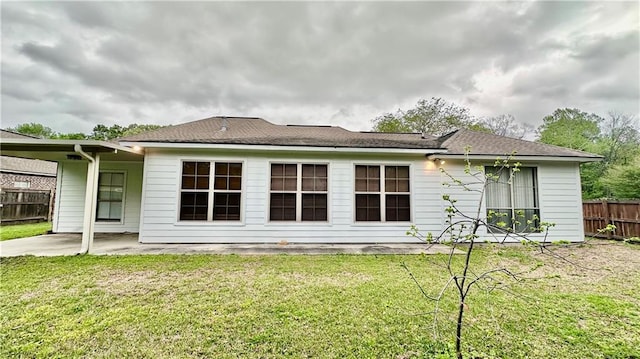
(90, 152)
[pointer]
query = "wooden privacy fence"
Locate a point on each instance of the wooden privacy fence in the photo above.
(22, 205)
(625, 215)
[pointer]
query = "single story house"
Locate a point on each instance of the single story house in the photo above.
(242, 180)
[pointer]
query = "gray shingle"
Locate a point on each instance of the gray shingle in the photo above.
(11, 134)
(27, 166)
(489, 144)
(256, 131)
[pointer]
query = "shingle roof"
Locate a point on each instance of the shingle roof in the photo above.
(27, 166)
(11, 134)
(23, 165)
(489, 144)
(256, 131)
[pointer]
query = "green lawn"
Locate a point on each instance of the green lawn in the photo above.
(24, 230)
(342, 306)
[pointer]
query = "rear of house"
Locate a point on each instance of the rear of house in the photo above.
(245, 180)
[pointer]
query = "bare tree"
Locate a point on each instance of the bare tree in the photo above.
(506, 125)
(462, 233)
(621, 137)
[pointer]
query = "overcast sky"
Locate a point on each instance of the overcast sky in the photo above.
(72, 65)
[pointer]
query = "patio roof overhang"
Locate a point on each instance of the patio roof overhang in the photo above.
(59, 150)
(79, 150)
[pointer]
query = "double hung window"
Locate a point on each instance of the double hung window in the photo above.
(512, 201)
(298, 192)
(382, 193)
(110, 196)
(210, 191)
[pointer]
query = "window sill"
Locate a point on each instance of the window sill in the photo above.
(209, 224)
(301, 224)
(110, 223)
(381, 224)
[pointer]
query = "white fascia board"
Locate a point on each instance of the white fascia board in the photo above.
(40, 141)
(419, 151)
(516, 158)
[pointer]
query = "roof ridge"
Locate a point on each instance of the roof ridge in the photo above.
(391, 133)
(296, 125)
(447, 136)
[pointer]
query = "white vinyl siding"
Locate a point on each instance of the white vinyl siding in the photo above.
(157, 221)
(161, 190)
(559, 198)
(69, 211)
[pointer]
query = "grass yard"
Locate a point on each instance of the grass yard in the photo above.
(24, 230)
(340, 306)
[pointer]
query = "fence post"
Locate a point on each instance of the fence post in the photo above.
(50, 208)
(19, 205)
(607, 217)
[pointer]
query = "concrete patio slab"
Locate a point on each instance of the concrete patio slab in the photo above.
(122, 244)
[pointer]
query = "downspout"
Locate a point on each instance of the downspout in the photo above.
(89, 199)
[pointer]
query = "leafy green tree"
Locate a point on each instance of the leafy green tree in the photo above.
(434, 116)
(104, 133)
(135, 129)
(624, 181)
(571, 128)
(100, 132)
(70, 136)
(34, 129)
(616, 138)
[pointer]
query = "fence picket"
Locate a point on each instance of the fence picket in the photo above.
(625, 215)
(19, 205)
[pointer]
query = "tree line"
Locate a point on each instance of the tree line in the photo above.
(615, 137)
(100, 132)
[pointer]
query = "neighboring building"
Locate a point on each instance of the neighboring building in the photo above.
(241, 180)
(26, 173)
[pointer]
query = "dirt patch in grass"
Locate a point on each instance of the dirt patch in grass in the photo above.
(593, 259)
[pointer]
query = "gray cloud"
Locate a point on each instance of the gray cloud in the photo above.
(85, 63)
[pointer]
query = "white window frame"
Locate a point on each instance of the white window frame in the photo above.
(124, 196)
(382, 193)
(536, 193)
(298, 192)
(211, 192)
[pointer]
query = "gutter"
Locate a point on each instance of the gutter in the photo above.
(516, 157)
(287, 148)
(89, 201)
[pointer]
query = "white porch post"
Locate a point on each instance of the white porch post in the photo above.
(93, 170)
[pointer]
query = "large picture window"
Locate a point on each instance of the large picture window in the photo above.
(204, 199)
(110, 196)
(512, 203)
(298, 192)
(382, 193)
